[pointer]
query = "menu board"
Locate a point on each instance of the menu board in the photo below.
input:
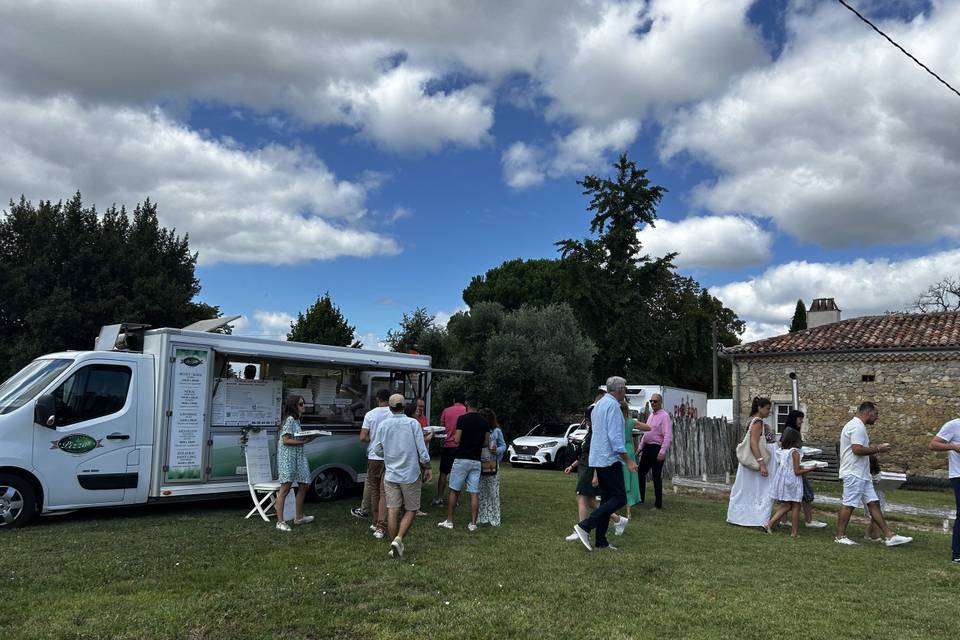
(188, 406)
(243, 403)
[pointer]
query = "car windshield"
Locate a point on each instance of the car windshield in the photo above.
(25, 385)
(548, 430)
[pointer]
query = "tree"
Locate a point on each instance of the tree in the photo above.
(323, 323)
(942, 296)
(412, 329)
(531, 364)
(520, 282)
(799, 322)
(609, 277)
(65, 271)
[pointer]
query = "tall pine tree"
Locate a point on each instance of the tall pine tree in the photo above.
(323, 323)
(799, 322)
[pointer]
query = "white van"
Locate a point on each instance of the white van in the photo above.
(158, 415)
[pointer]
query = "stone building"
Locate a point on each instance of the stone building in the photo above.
(909, 365)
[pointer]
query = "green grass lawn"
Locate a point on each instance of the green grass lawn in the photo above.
(201, 571)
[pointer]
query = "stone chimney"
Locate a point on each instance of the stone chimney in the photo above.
(822, 311)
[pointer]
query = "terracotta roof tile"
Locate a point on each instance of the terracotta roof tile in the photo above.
(880, 333)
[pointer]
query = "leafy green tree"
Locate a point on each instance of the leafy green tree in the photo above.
(323, 323)
(65, 271)
(412, 328)
(799, 322)
(520, 282)
(530, 365)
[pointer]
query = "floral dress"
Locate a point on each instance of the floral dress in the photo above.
(292, 463)
(489, 512)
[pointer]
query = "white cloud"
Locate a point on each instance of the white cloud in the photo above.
(636, 57)
(272, 324)
(397, 112)
(522, 166)
(843, 141)
(276, 205)
(712, 241)
(372, 340)
(376, 65)
(584, 148)
(860, 287)
(580, 151)
(400, 213)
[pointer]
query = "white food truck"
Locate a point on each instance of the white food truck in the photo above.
(160, 415)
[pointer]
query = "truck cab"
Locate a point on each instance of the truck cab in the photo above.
(76, 430)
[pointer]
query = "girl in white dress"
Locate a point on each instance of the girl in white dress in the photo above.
(750, 501)
(788, 484)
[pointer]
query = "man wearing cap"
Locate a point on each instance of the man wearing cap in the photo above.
(400, 443)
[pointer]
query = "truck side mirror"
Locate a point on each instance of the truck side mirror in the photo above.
(43, 412)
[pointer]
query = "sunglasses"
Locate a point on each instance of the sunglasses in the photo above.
(300, 404)
(655, 401)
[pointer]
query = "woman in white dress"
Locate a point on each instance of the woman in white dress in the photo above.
(750, 499)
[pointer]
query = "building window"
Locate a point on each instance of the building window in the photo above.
(781, 411)
(868, 377)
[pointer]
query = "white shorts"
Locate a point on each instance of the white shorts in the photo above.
(858, 492)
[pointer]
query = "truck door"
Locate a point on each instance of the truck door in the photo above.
(82, 456)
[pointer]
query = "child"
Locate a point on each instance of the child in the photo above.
(874, 532)
(788, 485)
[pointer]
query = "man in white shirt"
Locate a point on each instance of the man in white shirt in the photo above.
(405, 456)
(855, 452)
(948, 439)
(375, 467)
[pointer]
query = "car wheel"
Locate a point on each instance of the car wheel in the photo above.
(328, 485)
(561, 461)
(18, 503)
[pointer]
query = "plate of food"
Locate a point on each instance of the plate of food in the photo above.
(814, 464)
(312, 433)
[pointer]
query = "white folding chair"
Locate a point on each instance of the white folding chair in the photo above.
(263, 488)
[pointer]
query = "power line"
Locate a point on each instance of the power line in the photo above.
(907, 53)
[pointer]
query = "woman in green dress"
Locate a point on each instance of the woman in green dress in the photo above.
(631, 481)
(292, 463)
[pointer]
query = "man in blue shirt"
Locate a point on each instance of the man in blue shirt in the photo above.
(608, 454)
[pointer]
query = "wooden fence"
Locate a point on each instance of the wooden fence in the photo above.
(702, 447)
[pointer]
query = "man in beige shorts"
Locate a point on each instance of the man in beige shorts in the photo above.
(400, 443)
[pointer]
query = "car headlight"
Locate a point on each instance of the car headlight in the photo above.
(547, 445)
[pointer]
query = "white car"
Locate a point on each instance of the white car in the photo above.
(545, 445)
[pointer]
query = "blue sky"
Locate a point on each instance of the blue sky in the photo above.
(388, 153)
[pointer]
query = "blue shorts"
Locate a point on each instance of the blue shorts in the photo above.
(467, 472)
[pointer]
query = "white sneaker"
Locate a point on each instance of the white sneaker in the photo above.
(396, 548)
(283, 526)
(446, 524)
(583, 535)
(471, 527)
(378, 534)
(620, 525)
(895, 540)
(815, 524)
(572, 537)
(845, 540)
(304, 520)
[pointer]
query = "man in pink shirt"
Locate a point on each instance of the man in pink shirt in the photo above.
(448, 420)
(653, 448)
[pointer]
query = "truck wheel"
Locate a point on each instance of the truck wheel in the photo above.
(328, 485)
(18, 504)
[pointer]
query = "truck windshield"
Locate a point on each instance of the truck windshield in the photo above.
(22, 387)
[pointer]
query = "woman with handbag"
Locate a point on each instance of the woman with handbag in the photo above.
(750, 498)
(490, 472)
